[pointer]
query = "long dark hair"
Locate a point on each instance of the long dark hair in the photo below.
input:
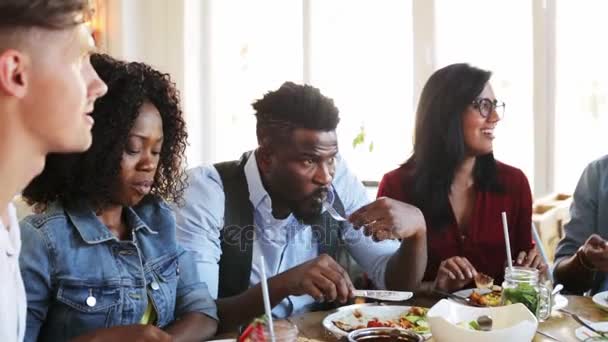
(439, 146)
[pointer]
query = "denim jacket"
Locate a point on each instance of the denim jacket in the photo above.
(79, 277)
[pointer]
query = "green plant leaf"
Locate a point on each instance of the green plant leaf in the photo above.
(359, 138)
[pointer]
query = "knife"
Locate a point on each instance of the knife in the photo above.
(394, 296)
(547, 335)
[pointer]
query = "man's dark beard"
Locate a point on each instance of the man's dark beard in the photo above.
(316, 206)
(308, 217)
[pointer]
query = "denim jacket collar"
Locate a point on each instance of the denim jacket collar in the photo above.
(93, 230)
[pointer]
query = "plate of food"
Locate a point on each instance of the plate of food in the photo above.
(482, 296)
(492, 297)
(601, 299)
(485, 293)
(359, 316)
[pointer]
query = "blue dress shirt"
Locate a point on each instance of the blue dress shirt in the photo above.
(285, 243)
(589, 215)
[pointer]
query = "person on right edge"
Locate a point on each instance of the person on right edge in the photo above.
(581, 258)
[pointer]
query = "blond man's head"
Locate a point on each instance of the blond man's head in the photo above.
(47, 84)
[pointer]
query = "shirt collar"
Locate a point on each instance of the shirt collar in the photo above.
(257, 192)
(92, 230)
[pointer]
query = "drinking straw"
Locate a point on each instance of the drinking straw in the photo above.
(541, 249)
(266, 299)
(505, 227)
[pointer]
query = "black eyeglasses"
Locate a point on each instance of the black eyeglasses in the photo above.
(486, 106)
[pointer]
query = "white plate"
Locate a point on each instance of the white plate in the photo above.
(600, 299)
(559, 301)
(467, 292)
(584, 334)
(382, 312)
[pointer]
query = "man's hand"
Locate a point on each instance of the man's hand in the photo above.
(595, 253)
(322, 278)
(386, 218)
(135, 333)
(454, 273)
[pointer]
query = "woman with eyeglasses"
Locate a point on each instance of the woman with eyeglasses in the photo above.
(453, 178)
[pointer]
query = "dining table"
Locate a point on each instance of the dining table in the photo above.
(560, 326)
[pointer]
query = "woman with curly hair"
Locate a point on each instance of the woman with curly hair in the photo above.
(100, 260)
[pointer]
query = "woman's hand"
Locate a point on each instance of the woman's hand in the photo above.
(531, 259)
(454, 274)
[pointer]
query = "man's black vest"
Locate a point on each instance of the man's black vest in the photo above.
(237, 235)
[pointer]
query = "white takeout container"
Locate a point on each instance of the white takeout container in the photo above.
(510, 323)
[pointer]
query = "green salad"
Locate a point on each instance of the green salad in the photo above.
(417, 318)
(522, 293)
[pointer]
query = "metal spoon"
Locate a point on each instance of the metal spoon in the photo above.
(556, 289)
(484, 322)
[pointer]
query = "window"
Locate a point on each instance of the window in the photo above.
(252, 51)
(581, 115)
(366, 67)
(481, 33)
(372, 57)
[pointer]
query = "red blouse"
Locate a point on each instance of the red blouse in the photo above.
(484, 243)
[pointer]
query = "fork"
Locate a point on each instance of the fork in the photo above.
(336, 216)
(332, 212)
(588, 326)
(578, 319)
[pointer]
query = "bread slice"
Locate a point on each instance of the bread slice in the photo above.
(483, 281)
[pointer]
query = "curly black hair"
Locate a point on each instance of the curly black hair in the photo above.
(92, 175)
(293, 106)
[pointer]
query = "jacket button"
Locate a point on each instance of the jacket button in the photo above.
(91, 301)
(154, 285)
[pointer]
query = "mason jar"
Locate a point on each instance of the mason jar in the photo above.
(284, 331)
(521, 285)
